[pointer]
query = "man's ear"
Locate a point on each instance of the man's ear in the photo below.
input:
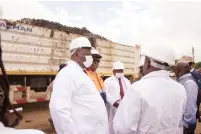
(114, 72)
(148, 63)
(178, 70)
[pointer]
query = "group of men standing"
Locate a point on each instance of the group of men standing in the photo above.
(82, 103)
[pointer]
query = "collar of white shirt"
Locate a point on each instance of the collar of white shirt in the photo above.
(1, 125)
(75, 65)
(161, 73)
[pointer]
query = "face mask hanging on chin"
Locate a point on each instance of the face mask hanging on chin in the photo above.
(88, 62)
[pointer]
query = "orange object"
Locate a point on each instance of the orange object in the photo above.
(96, 78)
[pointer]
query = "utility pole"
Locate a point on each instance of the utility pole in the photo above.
(0, 43)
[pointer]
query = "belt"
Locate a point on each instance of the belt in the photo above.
(101, 91)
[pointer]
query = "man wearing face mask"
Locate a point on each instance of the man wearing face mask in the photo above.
(76, 106)
(95, 77)
(115, 87)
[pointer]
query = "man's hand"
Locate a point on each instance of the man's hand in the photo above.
(116, 104)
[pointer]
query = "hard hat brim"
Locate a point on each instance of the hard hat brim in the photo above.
(97, 56)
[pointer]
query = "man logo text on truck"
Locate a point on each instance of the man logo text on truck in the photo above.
(16, 27)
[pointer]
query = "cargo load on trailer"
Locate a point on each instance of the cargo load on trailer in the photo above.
(33, 49)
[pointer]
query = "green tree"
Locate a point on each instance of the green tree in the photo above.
(198, 65)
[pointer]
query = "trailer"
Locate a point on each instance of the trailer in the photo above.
(32, 54)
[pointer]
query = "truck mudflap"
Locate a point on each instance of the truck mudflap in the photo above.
(21, 95)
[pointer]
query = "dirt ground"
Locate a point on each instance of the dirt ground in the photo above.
(36, 117)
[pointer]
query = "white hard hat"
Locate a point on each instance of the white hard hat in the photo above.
(160, 53)
(79, 43)
(118, 65)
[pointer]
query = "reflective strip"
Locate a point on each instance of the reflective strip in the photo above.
(18, 88)
(21, 101)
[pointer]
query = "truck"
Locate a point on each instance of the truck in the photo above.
(33, 50)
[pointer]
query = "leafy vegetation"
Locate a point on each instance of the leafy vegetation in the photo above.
(198, 65)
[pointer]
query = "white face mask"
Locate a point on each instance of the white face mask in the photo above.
(88, 62)
(119, 75)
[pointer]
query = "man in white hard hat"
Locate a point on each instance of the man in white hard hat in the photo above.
(156, 103)
(76, 106)
(95, 77)
(115, 87)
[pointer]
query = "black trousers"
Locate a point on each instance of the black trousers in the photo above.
(190, 129)
(103, 95)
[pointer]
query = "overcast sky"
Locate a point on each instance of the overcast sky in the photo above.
(177, 24)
